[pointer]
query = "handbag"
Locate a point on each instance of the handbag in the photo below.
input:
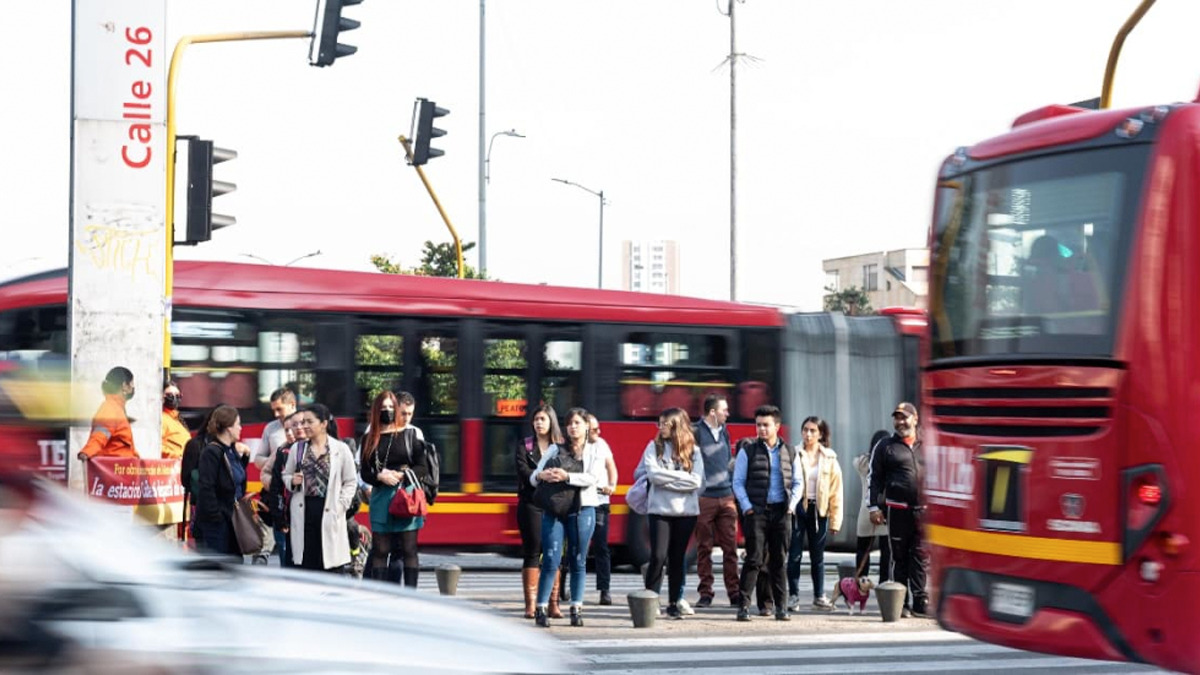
(409, 500)
(558, 499)
(251, 532)
(638, 496)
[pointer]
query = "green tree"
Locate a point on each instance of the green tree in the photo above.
(437, 260)
(852, 301)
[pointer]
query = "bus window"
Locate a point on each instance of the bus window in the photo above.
(672, 370)
(236, 358)
(378, 367)
(758, 385)
(34, 331)
(504, 403)
(437, 394)
(562, 374)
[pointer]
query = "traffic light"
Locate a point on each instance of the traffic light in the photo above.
(427, 111)
(328, 25)
(201, 188)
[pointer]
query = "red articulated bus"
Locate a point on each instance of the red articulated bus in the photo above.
(471, 352)
(1059, 386)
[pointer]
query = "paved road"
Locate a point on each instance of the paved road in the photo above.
(713, 642)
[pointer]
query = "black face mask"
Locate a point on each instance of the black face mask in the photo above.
(387, 416)
(171, 401)
(130, 394)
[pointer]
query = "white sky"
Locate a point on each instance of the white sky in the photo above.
(843, 123)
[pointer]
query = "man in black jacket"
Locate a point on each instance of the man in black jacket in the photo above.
(897, 470)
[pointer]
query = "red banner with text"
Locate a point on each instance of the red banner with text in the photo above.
(152, 485)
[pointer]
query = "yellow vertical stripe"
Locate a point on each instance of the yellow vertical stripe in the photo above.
(1000, 490)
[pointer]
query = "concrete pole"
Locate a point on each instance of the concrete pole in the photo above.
(482, 124)
(733, 58)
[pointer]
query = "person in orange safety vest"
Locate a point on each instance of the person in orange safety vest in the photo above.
(175, 433)
(111, 434)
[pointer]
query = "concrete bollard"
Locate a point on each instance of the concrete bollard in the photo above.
(847, 568)
(643, 608)
(891, 599)
(447, 578)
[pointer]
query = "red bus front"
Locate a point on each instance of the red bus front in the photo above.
(1059, 387)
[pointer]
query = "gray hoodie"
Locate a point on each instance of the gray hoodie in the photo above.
(673, 491)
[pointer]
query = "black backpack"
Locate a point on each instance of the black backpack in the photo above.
(435, 471)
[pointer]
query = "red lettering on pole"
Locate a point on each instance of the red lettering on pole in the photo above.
(139, 108)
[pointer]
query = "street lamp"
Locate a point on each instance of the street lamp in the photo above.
(289, 264)
(487, 178)
(600, 194)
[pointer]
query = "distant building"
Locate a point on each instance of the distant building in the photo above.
(890, 278)
(650, 266)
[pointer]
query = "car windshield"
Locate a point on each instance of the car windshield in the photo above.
(1030, 256)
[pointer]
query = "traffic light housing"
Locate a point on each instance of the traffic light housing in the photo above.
(201, 188)
(427, 111)
(328, 25)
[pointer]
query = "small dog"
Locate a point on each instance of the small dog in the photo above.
(853, 590)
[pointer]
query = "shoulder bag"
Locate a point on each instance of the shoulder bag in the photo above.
(409, 501)
(252, 534)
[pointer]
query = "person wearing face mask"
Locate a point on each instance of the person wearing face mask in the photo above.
(390, 447)
(175, 433)
(111, 434)
(895, 498)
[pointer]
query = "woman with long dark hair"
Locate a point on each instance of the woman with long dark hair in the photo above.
(320, 472)
(674, 468)
(527, 454)
(578, 463)
(390, 447)
(221, 479)
(818, 513)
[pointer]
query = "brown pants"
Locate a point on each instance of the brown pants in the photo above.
(717, 524)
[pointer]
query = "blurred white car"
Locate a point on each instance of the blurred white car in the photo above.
(108, 597)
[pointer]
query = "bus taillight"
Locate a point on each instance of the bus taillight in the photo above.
(1150, 494)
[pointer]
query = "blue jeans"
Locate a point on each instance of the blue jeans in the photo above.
(576, 529)
(281, 547)
(808, 525)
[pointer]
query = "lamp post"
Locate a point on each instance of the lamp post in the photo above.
(289, 264)
(600, 194)
(487, 178)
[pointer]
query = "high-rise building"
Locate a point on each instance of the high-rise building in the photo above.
(650, 266)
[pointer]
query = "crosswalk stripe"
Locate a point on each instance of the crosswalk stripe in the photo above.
(807, 654)
(873, 637)
(924, 666)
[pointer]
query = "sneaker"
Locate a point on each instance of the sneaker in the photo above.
(685, 608)
(794, 603)
(782, 616)
(673, 612)
(743, 614)
(704, 601)
(906, 613)
(920, 613)
(736, 600)
(822, 603)
(358, 561)
(766, 611)
(260, 559)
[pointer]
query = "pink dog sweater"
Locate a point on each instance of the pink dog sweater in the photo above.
(849, 587)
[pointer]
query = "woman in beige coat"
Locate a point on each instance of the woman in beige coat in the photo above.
(818, 513)
(321, 475)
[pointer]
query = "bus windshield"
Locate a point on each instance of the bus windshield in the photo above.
(1030, 255)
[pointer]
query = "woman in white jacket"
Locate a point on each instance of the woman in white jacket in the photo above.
(674, 468)
(581, 464)
(321, 475)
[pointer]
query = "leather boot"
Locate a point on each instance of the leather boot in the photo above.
(553, 610)
(410, 576)
(529, 579)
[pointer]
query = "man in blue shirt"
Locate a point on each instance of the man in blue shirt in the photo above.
(767, 484)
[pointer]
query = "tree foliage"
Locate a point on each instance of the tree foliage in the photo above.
(852, 301)
(437, 260)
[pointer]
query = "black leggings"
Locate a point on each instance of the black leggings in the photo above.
(529, 524)
(394, 554)
(669, 537)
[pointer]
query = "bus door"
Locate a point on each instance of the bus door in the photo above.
(436, 384)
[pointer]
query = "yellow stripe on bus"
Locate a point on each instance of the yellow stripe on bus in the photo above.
(1014, 456)
(1022, 546)
(468, 507)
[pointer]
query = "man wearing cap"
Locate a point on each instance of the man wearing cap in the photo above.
(895, 478)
